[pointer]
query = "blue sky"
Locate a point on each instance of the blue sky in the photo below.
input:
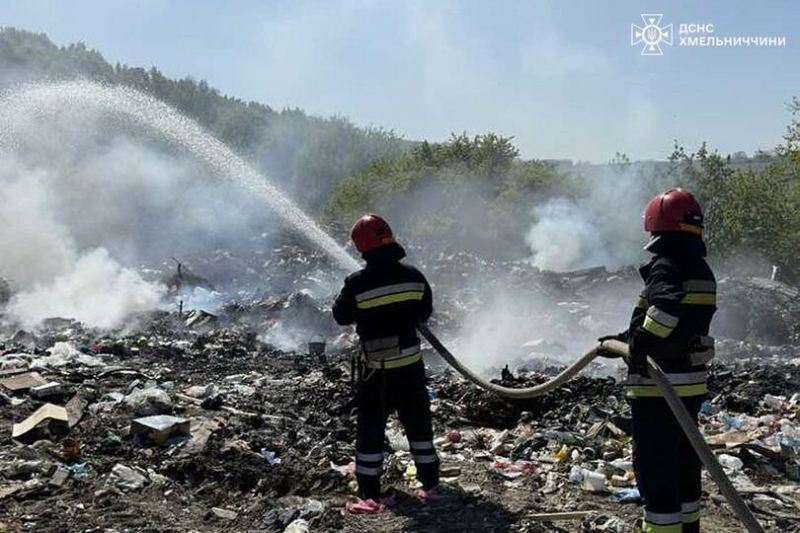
(559, 76)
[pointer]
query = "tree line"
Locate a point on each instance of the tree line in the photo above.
(453, 195)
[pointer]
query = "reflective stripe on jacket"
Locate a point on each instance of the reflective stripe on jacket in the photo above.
(386, 300)
(671, 321)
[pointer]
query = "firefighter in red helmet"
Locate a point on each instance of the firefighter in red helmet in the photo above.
(670, 323)
(386, 300)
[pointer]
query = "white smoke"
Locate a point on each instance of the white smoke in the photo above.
(509, 325)
(41, 256)
(96, 290)
(562, 239)
(35, 246)
(85, 204)
(601, 228)
(285, 338)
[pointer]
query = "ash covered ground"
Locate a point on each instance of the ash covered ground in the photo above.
(263, 433)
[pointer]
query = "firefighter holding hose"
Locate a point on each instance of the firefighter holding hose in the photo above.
(386, 300)
(670, 323)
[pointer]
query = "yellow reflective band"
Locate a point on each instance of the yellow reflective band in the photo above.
(391, 299)
(652, 391)
(662, 317)
(394, 363)
(656, 328)
(691, 228)
(699, 298)
(641, 303)
(647, 527)
(688, 518)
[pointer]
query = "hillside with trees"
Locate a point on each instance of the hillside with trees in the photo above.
(307, 154)
(469, 193)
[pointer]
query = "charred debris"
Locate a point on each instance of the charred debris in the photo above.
(232, 409)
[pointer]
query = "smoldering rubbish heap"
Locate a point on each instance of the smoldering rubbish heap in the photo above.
(194, 418)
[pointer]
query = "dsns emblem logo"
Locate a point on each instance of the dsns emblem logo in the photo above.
(651, 35)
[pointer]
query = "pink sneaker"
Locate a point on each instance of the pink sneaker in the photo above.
(365, 507)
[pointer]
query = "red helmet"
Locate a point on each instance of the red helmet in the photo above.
(674, 210)
(370, 232)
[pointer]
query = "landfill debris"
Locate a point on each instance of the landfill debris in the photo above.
(126, 478)
(149, 401)
(49, 421)
(271, 457)
(628, 495)
(60, 477)
(266, 433)
(225, 514)
(554, 517)
(159, 428)
(51, 388)
(23, 382)
(75, 409)
(197, 319)
(298, 526)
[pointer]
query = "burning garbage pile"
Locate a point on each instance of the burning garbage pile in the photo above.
(193, 419)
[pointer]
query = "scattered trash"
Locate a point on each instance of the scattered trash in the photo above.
(730, 463)
(197, 319)
(79, 468)
(628, 495)
(148, 402)
(51, 388)
(75, 408)
(298, 526)
(49, 421)
(316, 347)
(265, 434)
(270, 456)
(60, 477)
(225, 514)
(159, 428)
(594, 481)
(70, 449)
(126, 478)
(212, 403)
(23, 382)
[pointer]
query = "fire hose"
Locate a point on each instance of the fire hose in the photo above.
(674, 402)
(507, 392)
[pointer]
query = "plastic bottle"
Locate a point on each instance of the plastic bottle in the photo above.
(576, 474)
(397, 441)
(790, 430)
(729, 462)
(298, 526)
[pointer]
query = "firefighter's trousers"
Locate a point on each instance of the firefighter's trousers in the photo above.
(380, 393)
(667, 468)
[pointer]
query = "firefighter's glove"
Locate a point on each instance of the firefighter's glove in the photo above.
(608, 354)
(640, 346)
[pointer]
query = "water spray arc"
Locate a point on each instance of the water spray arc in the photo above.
(44, 100)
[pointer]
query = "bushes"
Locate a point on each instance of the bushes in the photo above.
(749, 210)
(468, 193)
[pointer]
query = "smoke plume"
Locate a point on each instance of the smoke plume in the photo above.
(601, 228)
(86, 205)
